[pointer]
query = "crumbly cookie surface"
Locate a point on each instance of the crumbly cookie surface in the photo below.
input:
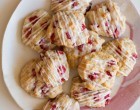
(74, 54)
(69, 5)
(34, 85)
(68, 29)
(63, 102)
(34, 31)
(124, 51)
(89, 93)
(106, 19)
(99, 67)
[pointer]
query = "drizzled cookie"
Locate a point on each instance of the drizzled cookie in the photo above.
(34, 31)
(124, 51)
(74, 54)
(63, 102)
(89, 93)
(69, 5)
(99, 67)
(68, 29)
(35, 85)
(106, 19)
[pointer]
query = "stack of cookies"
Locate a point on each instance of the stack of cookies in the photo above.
(66, 41)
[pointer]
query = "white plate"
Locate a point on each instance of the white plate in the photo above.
(15, 54)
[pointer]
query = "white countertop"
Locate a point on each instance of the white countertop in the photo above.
(6, 9)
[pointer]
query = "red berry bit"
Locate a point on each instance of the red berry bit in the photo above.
(108, 73)
(116, 33)
(44, 89)
(63, 80)
(60, 1)
(60, 52)
(84, 90)
(53, 107)
(74, 4)
(118, 50)
(68, 35)
(83, 27)
(111, 63)
(61, 70)
(33, 19)
(107, 102)
(90, 41)
(107, 96)
(96, 99)
(75, 93)
(134, 55)
(93, 76)
(45, 25)
(28, 32)
(33, 73)
(106, 24)
(93, 50)
(55, 24)
(80, 48)
(43, 45)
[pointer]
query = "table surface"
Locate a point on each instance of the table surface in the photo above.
(6, 9)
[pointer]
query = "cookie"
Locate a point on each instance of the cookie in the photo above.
(89, 93)
(124, 50)
(63, 102)
(99, 67)
(34, 85)
(54, 68)
(74, 54)
(34, 31)
(68, 29)
(106, 19)
(69, 5)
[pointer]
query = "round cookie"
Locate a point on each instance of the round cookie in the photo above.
(69, 5)
(74, 54)
(89, 93)
(124, 50)
(99, 67)
(63, 102)
(106, 19)
(34, 31)
(34, 85)
(54, 68)
(68, 29)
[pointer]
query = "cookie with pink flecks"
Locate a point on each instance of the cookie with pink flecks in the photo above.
(74, 54)
(34, 85)
(124, 50)
(90, 94)
(99, 67)
(106, 19)
(34, 31)
(68, 29)
(69, 5)
(63, 102)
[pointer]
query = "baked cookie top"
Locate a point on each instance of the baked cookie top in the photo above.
(69, 5)
(74, 54)
(124, 51)
(99, 67)
(63, 102)
(89, 93)
(34, 85)
(54, 68)
(34, 31)
(106, 19)
(68, 29)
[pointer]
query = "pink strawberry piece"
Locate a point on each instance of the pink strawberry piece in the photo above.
(83, 27)
(107, 102)
(33, 19)
(93, 50)
(108, 9)
(61, 70)
(52, 38)
(118, 50)
(45, 89)
(93, 76)
(28, 32)
(84, 89)
(68, 35)
(60, 1)
(45, 25)
(135, 55)
(63, 80)
(112, 62)
(60, 52)
(33, 73)
(108, 73)
(74, 4)
(107, 96)
(80, 48)
(53, 107)
(97, 100)
(90, 41)
(106, 24)
(116, 33)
